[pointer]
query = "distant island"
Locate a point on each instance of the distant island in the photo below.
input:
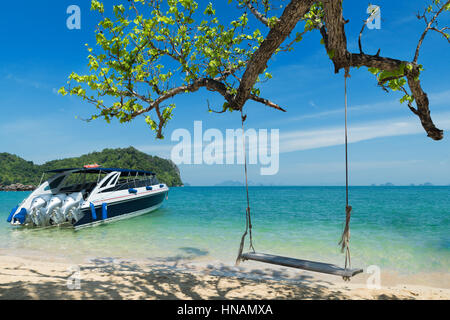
(17, 174)
(389, 184)
(229, 183)
(234, 183)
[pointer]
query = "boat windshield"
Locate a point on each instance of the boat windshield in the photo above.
(79, 181)
(129, 180)
(87, 181)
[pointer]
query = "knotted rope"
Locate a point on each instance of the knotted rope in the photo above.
(345, 239)
(248, 219)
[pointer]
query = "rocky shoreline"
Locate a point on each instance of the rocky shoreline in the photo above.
(17, 187)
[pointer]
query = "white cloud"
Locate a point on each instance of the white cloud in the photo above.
(436, 99)
(33, 83)
(439, 98)
(364, 107)
(332, 136)
(291, 141)
(355, 165)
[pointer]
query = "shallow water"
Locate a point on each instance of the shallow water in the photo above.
(403, 229)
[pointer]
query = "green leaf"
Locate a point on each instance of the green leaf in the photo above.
(331, 53)
(142, 54)
(209, 10)
(97, 6)
(62, 91)
(373, 70)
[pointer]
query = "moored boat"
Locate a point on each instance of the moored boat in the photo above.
(89, 196)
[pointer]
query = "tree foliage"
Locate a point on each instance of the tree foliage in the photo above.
(14, 169)
(154, 50)
(143, 57)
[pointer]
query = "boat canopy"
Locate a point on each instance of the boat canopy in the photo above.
(100, 169)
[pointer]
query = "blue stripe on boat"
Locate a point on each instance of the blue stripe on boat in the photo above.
(93, 213)
(104, 211)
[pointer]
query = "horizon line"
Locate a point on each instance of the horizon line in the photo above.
(289, 185)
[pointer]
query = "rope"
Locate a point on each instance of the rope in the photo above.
(248, 220)
(42, 177)
(345, 238)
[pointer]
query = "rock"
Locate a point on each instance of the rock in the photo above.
(17, 187)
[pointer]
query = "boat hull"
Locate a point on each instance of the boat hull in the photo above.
(121, 210)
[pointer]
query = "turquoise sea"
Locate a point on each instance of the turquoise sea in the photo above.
(404, 229)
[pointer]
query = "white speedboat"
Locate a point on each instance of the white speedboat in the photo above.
(89, 196)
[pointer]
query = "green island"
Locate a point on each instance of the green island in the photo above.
(19, 174)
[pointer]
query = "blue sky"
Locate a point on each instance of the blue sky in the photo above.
(387, 140)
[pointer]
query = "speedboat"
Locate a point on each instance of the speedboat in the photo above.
(89, 196)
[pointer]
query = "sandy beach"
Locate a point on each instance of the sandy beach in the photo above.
(40, 278)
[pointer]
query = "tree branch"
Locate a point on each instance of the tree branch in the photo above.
(429, 26)
(266, 102)
(441, 31)
(364, 25)
(422, 102)
(209, 84)
(335, 39)
(257, 14)
(293, 12)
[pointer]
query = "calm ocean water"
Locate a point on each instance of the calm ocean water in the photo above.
(405, 229)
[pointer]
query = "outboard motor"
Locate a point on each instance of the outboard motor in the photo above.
(35, 213)
(70, 210)
(52, 210)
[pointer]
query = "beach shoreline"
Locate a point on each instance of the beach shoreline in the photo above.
(28, 277)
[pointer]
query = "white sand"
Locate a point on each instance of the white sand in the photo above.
(32, 277)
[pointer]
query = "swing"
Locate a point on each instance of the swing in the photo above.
(345, 273)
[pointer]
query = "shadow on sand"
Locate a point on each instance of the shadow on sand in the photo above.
(168, 278)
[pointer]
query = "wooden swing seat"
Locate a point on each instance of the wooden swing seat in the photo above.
(301, 264)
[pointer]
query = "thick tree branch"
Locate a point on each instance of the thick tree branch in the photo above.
(423, 111)
(373, 61)
(421, 98)
(335, 40)
(293, 12)
(266, 102)
(208, 83)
